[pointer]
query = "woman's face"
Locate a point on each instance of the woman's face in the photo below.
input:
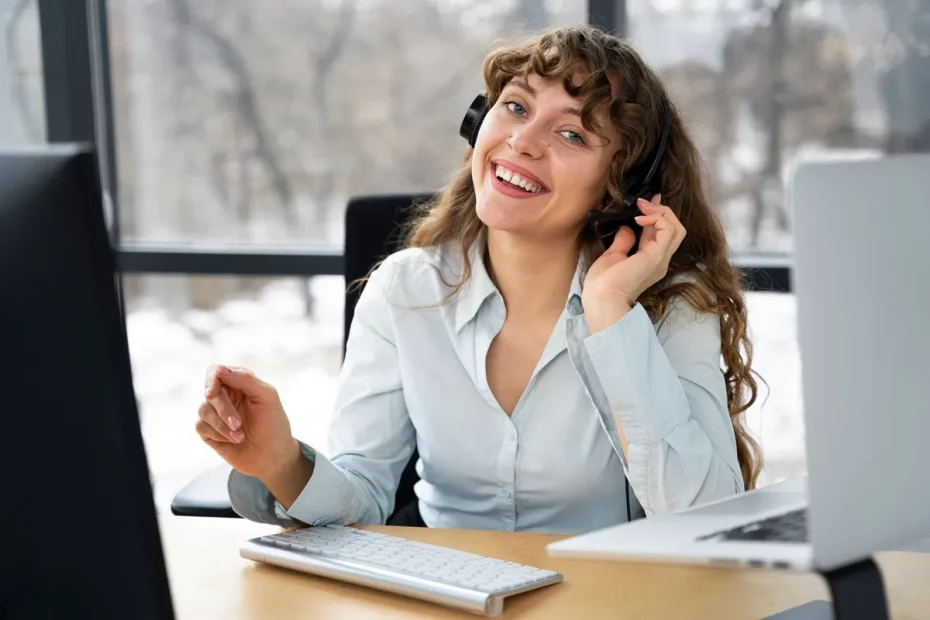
(533, 136)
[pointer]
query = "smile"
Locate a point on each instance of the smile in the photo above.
(512, 183)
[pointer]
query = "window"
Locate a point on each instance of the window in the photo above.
(179, 325)
(22, 102)
(242, 121)
(776, 420)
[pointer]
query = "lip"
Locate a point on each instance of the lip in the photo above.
(511, 190)
(523, 172)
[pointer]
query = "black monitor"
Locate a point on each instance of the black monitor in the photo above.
(78, 525)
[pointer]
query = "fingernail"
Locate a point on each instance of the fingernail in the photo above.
(642, 201)
(233, 423)
(222, 370)
(237, 436)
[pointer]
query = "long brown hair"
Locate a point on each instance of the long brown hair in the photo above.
(700, 272)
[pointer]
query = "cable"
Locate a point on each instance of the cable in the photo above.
(629, 513)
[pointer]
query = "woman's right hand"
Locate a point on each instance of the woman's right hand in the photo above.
(243, 420)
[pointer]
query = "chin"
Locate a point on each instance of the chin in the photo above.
(503, 217)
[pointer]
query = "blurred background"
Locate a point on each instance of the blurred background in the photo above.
(239, 128)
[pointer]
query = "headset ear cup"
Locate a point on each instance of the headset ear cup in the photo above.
(471, 124)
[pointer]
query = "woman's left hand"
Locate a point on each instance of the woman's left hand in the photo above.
(616, 280)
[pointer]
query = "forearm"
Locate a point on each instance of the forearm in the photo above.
(290, 478)
(600, 316)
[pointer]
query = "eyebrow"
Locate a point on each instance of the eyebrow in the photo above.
(523, 85)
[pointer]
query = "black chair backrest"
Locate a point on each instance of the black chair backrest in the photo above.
(373, 230)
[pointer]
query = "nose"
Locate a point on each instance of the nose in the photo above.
(527, 140)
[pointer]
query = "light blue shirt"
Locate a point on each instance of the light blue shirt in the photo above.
(414, 375)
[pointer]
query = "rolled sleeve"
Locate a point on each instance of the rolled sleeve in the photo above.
(252, 500)
(326, 498)
(664, 386)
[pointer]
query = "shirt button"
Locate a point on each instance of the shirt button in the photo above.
(513, 434)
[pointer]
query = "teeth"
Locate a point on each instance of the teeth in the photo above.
(515, 179)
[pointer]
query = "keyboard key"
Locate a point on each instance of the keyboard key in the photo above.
(788, 527)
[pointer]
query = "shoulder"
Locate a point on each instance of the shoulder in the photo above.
(418, 276)
(413, 259)
(437, 263)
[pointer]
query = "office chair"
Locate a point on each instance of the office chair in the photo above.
(373, 226)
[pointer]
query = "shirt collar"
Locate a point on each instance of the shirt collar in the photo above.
(479, 287)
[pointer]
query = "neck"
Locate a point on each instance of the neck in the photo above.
(534, 277)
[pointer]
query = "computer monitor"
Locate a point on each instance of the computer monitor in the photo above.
(79, 529)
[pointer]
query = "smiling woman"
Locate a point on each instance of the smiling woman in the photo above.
(548, 382)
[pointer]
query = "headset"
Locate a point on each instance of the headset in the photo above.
(642, 180)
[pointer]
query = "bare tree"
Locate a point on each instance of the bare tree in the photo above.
(246, 101)
(794, 91)
(323, 63)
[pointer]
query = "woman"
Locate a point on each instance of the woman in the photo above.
(536, 372)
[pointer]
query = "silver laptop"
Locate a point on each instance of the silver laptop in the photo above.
(862, 278)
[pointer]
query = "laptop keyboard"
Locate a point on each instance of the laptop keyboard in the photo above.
(788, 527)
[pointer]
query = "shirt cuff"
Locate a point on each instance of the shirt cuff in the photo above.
(638, 380)
(327, 496)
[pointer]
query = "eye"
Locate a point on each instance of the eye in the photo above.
(573, 136)
(515, 107)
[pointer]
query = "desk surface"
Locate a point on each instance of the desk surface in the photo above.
(210, 580)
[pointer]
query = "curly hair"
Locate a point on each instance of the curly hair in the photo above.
(700, 271)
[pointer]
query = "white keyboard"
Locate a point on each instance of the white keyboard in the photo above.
(438, 574)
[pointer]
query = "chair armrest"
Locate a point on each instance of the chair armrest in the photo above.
(205, 495)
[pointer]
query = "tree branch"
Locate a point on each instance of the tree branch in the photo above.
(246, 102)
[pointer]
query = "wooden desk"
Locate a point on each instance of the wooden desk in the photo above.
(210, 580)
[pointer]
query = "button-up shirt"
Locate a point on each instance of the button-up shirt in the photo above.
(414, 376)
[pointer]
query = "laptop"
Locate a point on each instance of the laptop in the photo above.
(80, 536)
(862, 279)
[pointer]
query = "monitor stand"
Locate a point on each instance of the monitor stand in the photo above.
(858, 594)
